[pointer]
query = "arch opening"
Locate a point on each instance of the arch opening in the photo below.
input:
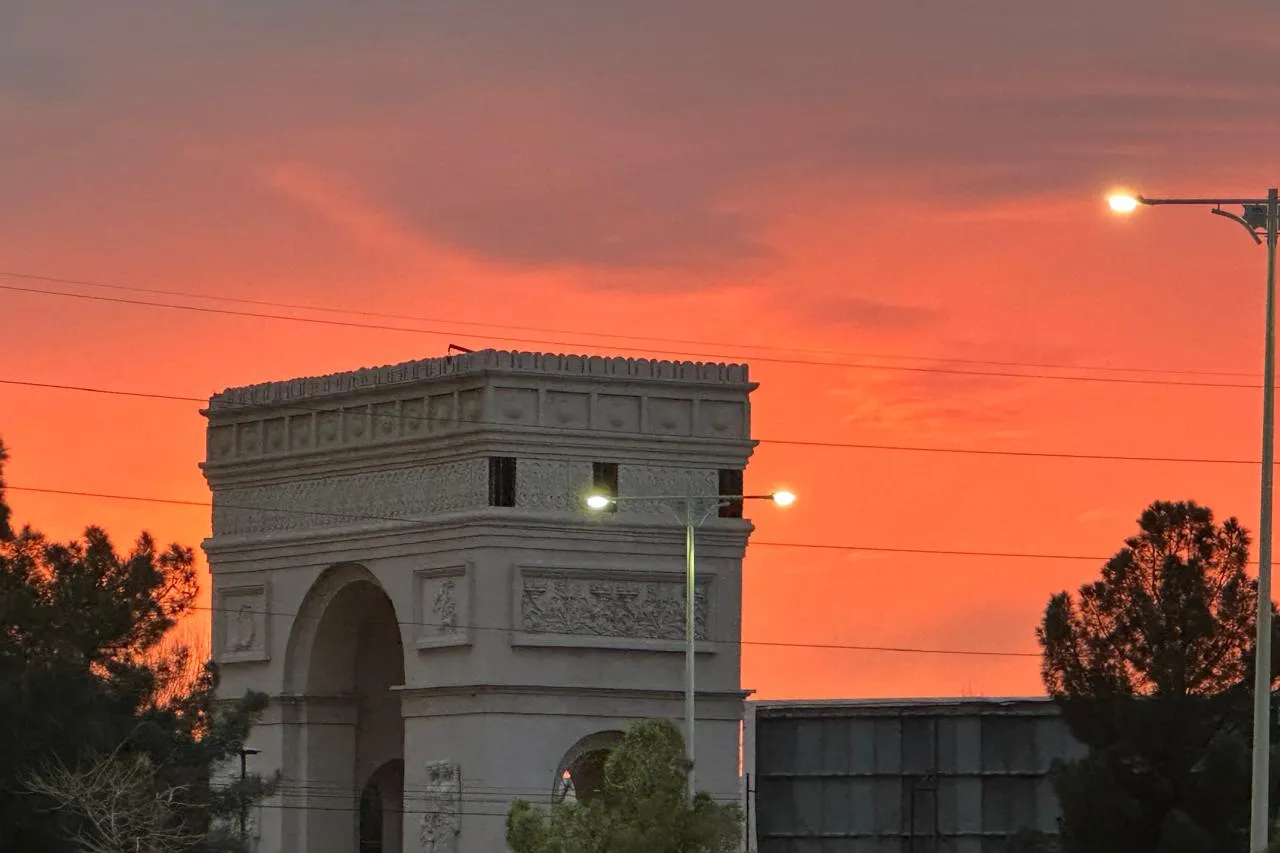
(580, 776)
(381, 810)
(346, 658)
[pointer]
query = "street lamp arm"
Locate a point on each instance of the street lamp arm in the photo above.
(1203, 202)
(1217, 211)
(629, 498)
(614, 499)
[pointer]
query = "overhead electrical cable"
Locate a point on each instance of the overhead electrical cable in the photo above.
(297, 306)
(1119, 380)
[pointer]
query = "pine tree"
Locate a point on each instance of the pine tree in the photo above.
(1152, 666)
(82, 691)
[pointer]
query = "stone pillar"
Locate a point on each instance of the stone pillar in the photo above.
(452, 803)
(324, 792)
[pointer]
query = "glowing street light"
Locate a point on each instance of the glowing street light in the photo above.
(1122, 203)
(598, 502)
(1261, 218)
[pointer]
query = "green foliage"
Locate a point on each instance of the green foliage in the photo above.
(79, 681)
(642, 809)
(1152, 666)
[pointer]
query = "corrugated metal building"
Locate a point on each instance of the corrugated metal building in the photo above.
(901, 776)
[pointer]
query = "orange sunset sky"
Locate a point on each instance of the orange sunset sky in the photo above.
(855, 197)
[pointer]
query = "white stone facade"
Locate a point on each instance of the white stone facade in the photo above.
(452, 654)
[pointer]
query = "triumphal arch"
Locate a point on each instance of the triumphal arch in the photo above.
(402, 561)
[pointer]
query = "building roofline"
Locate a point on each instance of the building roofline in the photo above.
(480, 362)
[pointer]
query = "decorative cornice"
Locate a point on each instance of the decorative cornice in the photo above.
(501, 527)
(474, 442)
(480, 362)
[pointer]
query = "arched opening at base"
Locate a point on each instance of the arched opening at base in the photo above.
(381, 810)
(346, 659)
(580, 776)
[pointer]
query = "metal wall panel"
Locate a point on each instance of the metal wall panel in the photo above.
(948, 776)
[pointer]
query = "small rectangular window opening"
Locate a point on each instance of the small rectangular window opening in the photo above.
(604, 481)
(502, 481)
(731, 484)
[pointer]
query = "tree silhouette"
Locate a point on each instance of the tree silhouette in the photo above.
(1152, 666)
(86, 699)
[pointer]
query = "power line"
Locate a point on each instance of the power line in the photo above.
(89, 390)
(706, 355)
(615, 335)
(1034, 454)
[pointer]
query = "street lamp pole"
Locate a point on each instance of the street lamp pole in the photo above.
(690, 640)
(1258, 215)
(600, 502)
(1260, 811)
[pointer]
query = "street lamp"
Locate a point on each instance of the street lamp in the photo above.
(1261, 218)
(691, 520)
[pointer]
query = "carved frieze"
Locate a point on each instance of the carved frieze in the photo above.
(242, 618)
(443, 606)
(639, 480)
(551, 484)
(581, 607)
(441, 801)
(406, 493)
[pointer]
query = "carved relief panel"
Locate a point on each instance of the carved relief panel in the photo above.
(441, 799)
(242, 619)
(373, 496)
(443, 606)
(598, 608)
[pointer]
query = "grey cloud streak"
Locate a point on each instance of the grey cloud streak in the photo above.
(620, 136)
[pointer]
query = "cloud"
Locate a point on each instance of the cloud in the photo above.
(630, 136)
(857, 312)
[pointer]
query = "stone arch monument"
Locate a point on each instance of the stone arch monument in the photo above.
(401, 561)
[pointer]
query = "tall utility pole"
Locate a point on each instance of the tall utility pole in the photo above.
(1261, 218)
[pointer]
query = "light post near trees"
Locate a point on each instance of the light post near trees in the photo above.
(1261, 218)
(692, 511)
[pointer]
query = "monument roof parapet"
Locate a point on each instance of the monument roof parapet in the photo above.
(479, 362)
